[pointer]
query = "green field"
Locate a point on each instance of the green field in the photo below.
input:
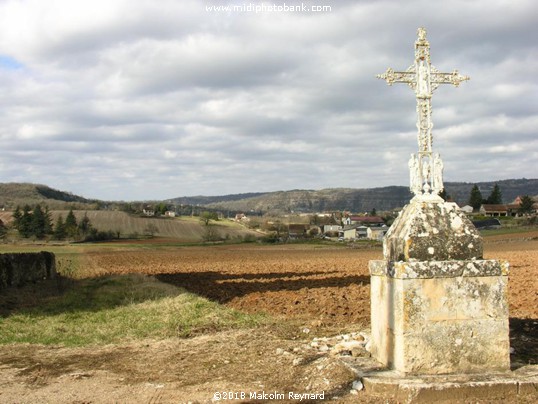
(111, 309)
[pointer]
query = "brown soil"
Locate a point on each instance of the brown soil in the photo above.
(316, 290)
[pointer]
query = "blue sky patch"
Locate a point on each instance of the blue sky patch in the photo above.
(7, 62)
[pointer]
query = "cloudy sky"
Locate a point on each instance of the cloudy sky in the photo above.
(143, 99)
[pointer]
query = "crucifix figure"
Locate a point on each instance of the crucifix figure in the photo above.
(425, 167)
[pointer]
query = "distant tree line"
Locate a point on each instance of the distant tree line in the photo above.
(476, 200)
(37, 223)
(32, 223)
(495, 198)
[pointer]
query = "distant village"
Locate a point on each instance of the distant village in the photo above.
(346, 226)
(349, 226)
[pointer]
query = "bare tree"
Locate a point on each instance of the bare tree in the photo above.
(150, 230)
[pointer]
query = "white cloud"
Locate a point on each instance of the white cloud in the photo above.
(513, 148)
(118, 100)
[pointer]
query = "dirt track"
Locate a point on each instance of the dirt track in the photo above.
(323, 289)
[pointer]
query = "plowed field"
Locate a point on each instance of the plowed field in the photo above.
(327, 284)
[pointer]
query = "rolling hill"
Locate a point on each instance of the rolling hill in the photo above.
(184, 229)
(308, 201)
(13, 194)
(354, 200)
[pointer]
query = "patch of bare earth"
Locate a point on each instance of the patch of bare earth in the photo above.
(322, 291)
(170, 371)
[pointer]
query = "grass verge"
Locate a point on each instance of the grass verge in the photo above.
(111, 309)
(510, 230)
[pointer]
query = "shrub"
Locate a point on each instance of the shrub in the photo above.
(100, 235)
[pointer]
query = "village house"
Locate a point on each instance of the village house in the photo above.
(363, 220)
(357, 231)
(349, 232)
(328, 228)
(377, 232)
(241, 217)
(360, 227)
(499, 210)
(362, 232)
(148, 210)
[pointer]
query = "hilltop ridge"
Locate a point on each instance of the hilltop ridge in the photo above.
(14, 193)
(352, 199)
(277, 202)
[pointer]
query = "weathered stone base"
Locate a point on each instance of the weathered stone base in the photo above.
(521, 384)
(440, 317)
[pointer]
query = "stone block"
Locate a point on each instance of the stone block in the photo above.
(440, 317)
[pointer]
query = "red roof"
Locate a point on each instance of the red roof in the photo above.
(366, 219)
(499, 208)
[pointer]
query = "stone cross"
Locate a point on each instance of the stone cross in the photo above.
(437, 307)
(425, 167)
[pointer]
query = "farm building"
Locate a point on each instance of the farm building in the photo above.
(499, 210)
(331, 228)
(377, 232)
(357, 231)
(363, 220)
(349, 232)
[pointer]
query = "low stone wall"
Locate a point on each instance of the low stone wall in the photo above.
(17, 269)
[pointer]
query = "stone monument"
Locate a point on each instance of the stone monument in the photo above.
(437, 306)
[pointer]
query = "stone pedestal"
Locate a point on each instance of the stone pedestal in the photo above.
(437, 306)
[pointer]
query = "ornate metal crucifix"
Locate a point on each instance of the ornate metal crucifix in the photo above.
(426, 167)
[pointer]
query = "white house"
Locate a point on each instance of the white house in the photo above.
(331, 227)
(377, 233)
(362, 232)
(350, 232)
(148, 211)
(467, 209)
